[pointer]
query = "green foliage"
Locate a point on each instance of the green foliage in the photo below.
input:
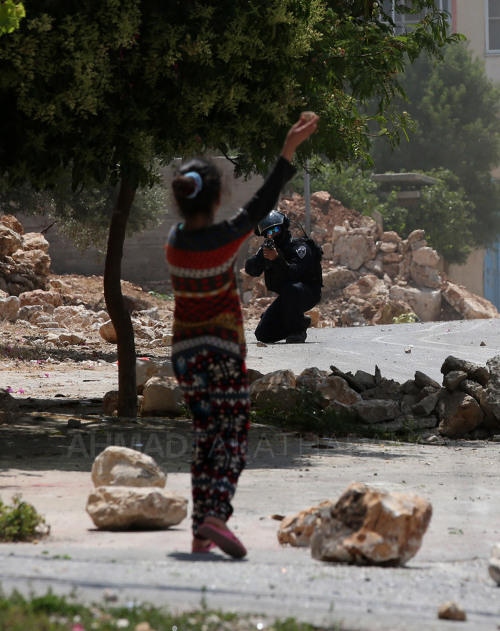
(107, 88)
(58, 613)
(308, 415)
(444, 211)
(405, 318)
(446, 216)
(157, 294)
(11, 14)
(84, 215)
(349, 184)
(20, 522)
(455, 108)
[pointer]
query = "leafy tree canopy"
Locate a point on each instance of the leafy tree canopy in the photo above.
(84, 215)
(455, 108)
(103, 88)
(11, 14)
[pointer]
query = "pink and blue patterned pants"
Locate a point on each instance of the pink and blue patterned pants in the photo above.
(215, 387)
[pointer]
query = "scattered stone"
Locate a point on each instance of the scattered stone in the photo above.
(162, 396)
(376, 410)
(297, 530)
(367, 526)
(121, 466)
(424, 381)
(426, 405)
(309, 378)
(451, 611)
(108, 333)
(126, 507)
(336, 389)
(468, 304)
(276, 390)
(9, 308)
(458, 414)
(110, 403)
(476, 372)
(147, 368)
(453, 379)
(494, 565)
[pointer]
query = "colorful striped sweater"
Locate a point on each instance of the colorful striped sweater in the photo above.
(201, 263)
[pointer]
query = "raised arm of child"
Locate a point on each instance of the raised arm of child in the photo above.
(300, 131)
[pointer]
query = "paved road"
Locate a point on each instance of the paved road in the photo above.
(364, 347)
(284, 476)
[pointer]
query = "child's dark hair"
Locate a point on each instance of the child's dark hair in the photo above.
(193, 194)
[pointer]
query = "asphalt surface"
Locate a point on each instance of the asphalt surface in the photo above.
(285, 474)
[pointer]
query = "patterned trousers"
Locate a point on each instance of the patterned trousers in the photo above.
(215, 389)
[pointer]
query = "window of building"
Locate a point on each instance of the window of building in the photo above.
(403, 21)
(493, 26)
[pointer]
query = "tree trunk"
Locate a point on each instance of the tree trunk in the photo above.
(120, 317)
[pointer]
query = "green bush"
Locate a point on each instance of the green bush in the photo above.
(444, 211)
(20, 522)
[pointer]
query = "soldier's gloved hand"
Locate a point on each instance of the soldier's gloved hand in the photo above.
(271, 254)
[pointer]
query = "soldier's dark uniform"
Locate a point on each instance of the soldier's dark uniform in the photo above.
(295, 276)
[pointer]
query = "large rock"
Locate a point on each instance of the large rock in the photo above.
(275, 390)
(338, 278)
(490, 395)
(371, 527)
(35, 241)
(13, 223)
(425, 276)
(426, 303)
(297, 530)
(147, 368)
(352, 250)
(336, 389)
(162, 395)
(9, 308)
(40, 297)
(38, 260)
(469, 305)
(10, 241)
(476, 372)
(309, 378)
(368, 286)
(426, 257)
(376, 410)
(108, 333)
(121, 466)
(390, 310)
(458, 413)
(125, 507)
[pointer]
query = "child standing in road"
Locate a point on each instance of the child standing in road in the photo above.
(208, 350)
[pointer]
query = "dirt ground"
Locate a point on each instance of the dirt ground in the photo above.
(58, 391)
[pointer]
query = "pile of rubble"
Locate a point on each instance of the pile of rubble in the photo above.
(370, 276)
(24, 261)
(50, 306)
(467, 404)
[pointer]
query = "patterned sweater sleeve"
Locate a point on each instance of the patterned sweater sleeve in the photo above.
(264, 199)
